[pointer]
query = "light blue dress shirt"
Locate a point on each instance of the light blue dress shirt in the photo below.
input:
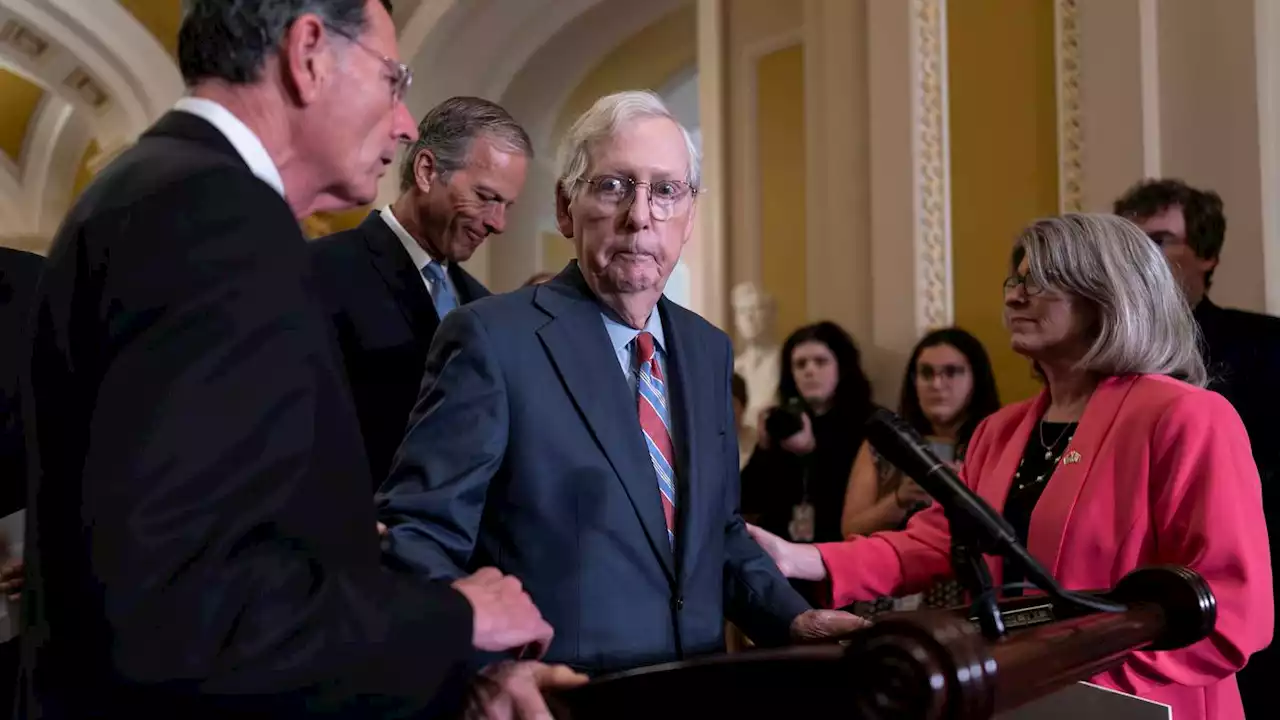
(622, 337)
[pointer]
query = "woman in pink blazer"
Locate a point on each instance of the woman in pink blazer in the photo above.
(1123, 461)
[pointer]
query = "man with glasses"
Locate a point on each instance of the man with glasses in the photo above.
(579, 434)
(203, 542)
(1242, 353)
(388, 282)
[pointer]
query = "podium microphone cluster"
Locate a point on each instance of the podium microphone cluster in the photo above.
(976, 528)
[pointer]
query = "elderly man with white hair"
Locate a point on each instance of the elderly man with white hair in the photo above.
(579, 434)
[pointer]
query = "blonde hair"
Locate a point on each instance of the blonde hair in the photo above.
(1144, 324)
(602, 120)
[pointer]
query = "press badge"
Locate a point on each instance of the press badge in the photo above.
(801, 526)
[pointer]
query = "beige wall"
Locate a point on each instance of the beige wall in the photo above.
(1187, 89)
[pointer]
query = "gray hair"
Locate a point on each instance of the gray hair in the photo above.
(605, 117)
(1144, 322)
(231, 40)
(448, 129)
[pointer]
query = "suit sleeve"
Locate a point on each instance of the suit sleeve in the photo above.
(213, 369)
(1207, 515)
(759, 600)
(434, 498)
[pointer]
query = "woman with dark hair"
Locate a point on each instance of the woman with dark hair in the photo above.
(795, 481)
(948, 389)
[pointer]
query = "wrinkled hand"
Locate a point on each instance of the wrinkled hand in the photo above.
(11, 579)
(821, 624)
(505, 616)
(773, 546)
(382, 530)
(511, 690)
(801, 561)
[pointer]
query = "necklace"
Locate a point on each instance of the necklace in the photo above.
(1049, 449)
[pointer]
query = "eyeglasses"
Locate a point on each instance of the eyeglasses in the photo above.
(401, 76)
(927, 373)
(1029, 286)
(667, 198)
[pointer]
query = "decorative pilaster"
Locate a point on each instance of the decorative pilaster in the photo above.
(1070, 122)
(932, 152)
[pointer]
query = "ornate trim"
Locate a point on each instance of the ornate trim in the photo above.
(931, 149)
(1066, 16)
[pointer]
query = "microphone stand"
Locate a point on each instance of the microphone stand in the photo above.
(969, 564)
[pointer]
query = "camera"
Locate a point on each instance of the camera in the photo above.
(785, 420)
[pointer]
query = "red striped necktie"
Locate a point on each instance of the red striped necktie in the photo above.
(655, 421)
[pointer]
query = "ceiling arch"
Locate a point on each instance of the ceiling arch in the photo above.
(104, 78)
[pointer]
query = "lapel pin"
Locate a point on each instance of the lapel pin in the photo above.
(1071, 458)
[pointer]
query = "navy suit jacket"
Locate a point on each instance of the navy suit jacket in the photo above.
(525, 452)
(384, 320)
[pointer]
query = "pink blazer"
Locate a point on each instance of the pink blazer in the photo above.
(1165, 476)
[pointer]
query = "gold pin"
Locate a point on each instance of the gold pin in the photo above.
(1072, 457)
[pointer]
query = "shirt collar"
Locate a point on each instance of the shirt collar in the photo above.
(621, 334)
(419, 256)
(245, 141)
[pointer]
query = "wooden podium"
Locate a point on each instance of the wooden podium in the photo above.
(930, 665)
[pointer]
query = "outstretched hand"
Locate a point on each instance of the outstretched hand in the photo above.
(513, 690)
(823, 624)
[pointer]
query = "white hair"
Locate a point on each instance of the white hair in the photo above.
(1144, 323)
(602, 121)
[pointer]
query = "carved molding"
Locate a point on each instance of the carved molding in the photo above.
(931, 149)
(1070, 121)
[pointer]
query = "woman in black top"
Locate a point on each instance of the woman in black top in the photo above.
(794, 483)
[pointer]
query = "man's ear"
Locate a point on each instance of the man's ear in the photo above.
(306, 58)
(426, 172)
(564, 220)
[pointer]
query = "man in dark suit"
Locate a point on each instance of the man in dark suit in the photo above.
(579, 434)
(19, 273)
(201, 541)
(1241, 351)
(388, 282)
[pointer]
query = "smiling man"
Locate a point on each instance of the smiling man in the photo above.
(579, 434)
(388, 282)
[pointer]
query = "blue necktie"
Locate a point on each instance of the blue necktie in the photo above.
(442, 296)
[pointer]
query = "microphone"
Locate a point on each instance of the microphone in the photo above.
(975, 526)
(901, 445)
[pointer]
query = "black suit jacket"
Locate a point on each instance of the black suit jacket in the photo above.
(1242, 353)
(385, 319)
(525, 452)
(19, 273)
(203, 541)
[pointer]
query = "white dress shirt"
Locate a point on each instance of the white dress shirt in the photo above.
(244, 140)
(419, 256)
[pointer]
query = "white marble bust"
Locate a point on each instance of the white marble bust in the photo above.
(757, 353)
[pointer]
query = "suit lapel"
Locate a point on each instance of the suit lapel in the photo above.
(402, 278)
(467, 287)
(1053, 511)
(692, 396)
(580, 349)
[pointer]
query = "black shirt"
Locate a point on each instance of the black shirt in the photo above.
(1035, 471)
